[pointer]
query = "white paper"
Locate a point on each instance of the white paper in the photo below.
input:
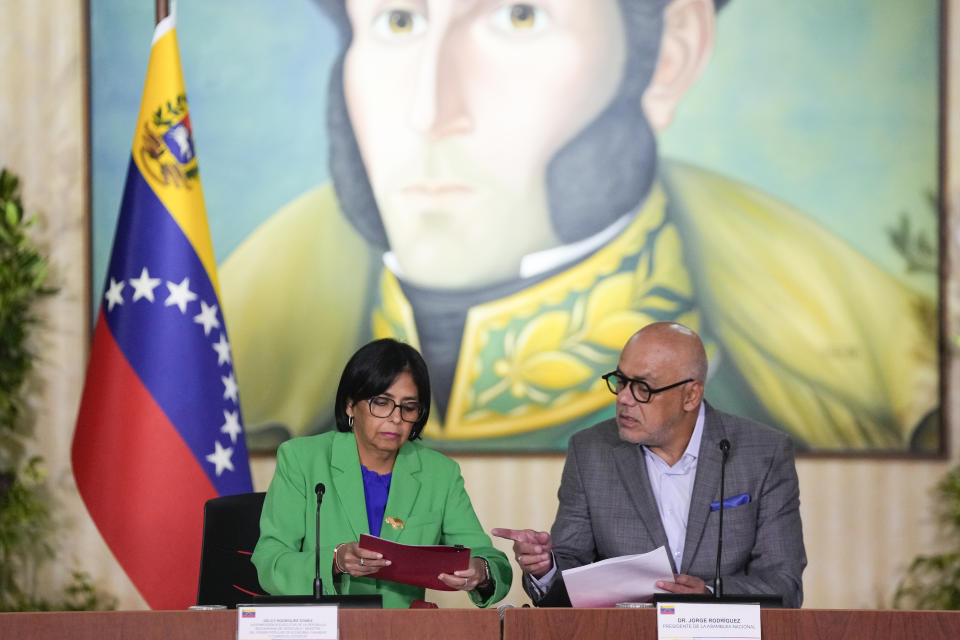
(620, 579)
(274, 622)
(688, 620)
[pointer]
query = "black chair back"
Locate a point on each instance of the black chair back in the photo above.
(231, 527)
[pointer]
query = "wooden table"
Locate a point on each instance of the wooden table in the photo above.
(479, 624)
(778, 624)
(355, 624)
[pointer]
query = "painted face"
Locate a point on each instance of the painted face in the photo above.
(378, 436)
(653, 423)
(458, 108)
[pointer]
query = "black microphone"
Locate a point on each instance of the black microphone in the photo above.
(717, 584)
(348, 601)
(317, 583)
(763, 599)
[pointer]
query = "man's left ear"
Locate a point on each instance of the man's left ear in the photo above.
(689, 31)
(692, 396)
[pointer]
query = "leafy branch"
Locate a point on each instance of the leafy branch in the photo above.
(26, 520)
(933, 581)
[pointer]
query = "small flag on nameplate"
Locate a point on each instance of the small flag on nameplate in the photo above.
(159, 430)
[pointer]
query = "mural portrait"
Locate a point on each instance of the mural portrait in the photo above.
(515, 188)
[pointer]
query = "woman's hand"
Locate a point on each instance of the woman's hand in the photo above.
(351, 558)
(467, 579)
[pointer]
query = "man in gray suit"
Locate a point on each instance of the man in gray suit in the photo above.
(651, 477)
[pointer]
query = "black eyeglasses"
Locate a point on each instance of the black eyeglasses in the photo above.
(382, 407)
(641, 391)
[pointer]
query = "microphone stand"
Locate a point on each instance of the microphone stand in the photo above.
(317, 583)
(350, 601)
(717, 581)
(764, 600)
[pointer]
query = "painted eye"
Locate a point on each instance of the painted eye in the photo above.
(521, 17)
(399, 23)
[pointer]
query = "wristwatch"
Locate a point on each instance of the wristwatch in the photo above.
(487, 580)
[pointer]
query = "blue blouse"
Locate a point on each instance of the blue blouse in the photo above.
(376, 488)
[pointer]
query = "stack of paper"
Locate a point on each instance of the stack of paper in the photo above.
(620, 579)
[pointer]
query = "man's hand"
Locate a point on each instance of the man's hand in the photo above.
(683, 583)
(532, 549)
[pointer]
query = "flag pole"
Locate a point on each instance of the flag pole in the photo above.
(162, 9)
(160, 402)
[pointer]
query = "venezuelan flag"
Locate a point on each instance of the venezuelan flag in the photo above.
(159, 430)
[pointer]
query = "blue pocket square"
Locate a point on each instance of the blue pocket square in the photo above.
(735, 501)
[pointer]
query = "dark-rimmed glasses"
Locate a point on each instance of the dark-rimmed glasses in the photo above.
(382, 407)
(641, 391)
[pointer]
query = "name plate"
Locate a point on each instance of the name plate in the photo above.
(688, 620)
(276, 622)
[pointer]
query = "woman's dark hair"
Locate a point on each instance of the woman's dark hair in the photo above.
(371, 371)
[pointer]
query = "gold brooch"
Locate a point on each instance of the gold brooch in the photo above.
(396, 523)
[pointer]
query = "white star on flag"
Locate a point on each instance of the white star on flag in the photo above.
(222, 347)
(229, 387)
(113, 295)
(180, 295)
(232, 425)
(207, 317)
(221, 458)
(144, 285)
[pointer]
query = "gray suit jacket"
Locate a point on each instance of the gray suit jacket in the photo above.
(607, 509)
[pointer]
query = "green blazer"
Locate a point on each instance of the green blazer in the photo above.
(426, 493)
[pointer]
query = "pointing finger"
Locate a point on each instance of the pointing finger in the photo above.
(509, 534)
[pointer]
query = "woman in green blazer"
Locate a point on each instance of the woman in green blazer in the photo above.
(378, 482)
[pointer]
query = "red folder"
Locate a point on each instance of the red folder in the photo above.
(418, 565)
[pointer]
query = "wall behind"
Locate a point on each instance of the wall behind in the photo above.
(863, 520)
(43, 139)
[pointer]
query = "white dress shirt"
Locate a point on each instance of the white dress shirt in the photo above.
(672, 488)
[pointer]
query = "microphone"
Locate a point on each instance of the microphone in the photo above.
(347, 601)
(717, 583)
(763, 599)
(317, 583)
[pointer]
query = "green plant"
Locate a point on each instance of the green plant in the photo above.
(933, 581)
(26, 521)
(23, 273)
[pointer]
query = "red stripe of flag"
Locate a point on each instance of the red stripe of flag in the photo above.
(133, 469)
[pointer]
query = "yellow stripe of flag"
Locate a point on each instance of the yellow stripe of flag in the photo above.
(176, 183)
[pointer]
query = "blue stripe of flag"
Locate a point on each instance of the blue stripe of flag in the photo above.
(168, 350)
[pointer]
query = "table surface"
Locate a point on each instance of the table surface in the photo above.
(479, 624)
